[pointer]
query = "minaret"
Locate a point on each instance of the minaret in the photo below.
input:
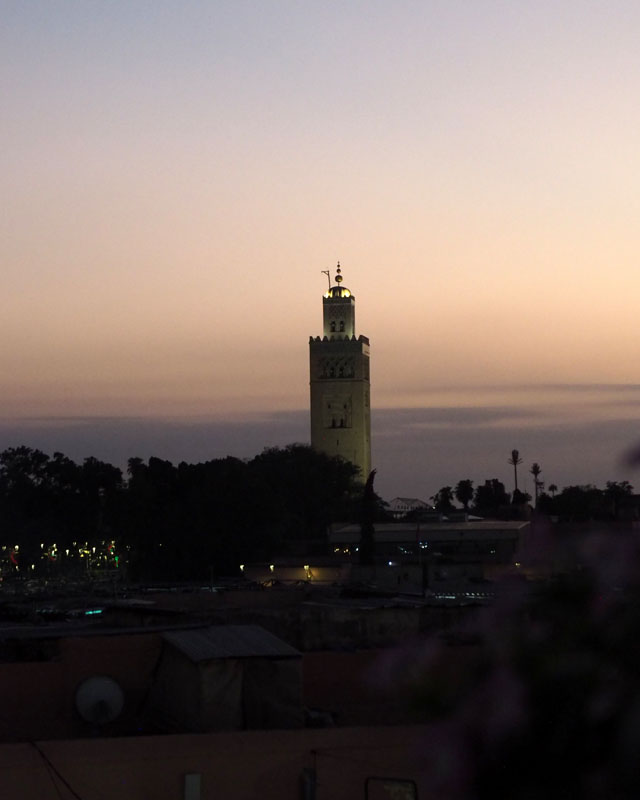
(339, 378)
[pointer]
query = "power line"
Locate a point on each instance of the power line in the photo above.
(56, 772)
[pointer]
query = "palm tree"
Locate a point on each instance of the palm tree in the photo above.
(514, 461)
(535, 471)
(553, 489)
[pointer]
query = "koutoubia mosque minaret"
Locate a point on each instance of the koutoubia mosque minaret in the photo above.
(339, 378)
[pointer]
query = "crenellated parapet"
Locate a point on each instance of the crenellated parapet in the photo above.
(342, 339)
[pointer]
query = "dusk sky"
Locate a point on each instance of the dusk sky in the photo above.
(177, 175)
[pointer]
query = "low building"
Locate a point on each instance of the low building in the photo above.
(227, 677)
(441, 555)
(446, 558)
(401, 506)
(487, 541)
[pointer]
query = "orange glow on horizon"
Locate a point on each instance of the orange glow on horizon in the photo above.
(179, 183)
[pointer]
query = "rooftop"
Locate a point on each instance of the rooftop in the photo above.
(229, 641)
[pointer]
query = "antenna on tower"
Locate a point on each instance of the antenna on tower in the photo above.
(327, 272)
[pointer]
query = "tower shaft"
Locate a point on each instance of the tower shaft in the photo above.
(340, 384)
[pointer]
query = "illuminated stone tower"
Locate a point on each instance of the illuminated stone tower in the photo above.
(339, 378)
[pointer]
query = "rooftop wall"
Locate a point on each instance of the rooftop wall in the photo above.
(233, 766)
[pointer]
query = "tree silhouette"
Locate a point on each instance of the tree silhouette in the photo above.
(578, 503)
(182, 522)
(464, 492)
(615, 492)
(535, 471)
(553, 489)
(443, 499)
(514, 461)
(520, 498)
(490, 498)
(366, 550)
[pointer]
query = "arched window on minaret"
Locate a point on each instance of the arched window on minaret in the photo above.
(333, 327)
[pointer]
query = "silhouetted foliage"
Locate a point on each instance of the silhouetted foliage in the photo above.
(515, 461)
(546, 703)
(176, 522)
(520, 498)
(53, 500)
(537, 483)
(491, 498)
(443, 500)
(464, 492)
(366, 550)
(585, 503)
(615, 493)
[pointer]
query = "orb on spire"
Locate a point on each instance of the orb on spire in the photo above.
(338, 290)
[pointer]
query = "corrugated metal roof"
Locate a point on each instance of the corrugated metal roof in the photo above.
(229, 641)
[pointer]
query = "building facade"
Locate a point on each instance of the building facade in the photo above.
(340, 384)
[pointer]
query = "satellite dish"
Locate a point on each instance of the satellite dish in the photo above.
(99, 700)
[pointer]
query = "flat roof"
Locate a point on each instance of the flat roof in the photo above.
(432, 527)
(431, 531)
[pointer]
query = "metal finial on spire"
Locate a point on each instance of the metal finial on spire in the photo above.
(338, 274)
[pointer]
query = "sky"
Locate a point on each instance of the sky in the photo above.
(178, 174)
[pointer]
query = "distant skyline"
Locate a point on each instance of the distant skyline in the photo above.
(578, 435)
(179, 174)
